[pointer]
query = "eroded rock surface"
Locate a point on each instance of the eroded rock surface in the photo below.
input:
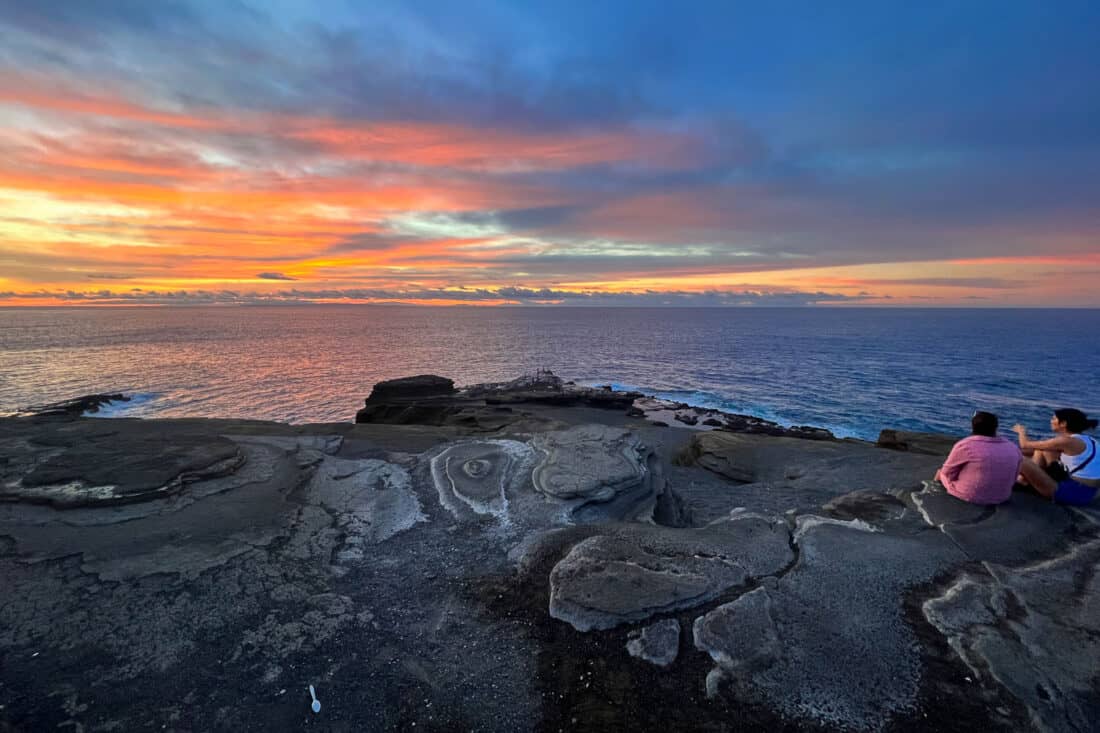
(933, 444)
(1035, 630)
(477, 476)
(637, 572)
(501, 558)
(546, 388)
(657, 643)
(828, 642)
(836, 466)
(298, 564)
(588, 473)
(370, 501)
(590, 462)
(1011, 533)
(102, 465)
(76, 406)
(661, 411)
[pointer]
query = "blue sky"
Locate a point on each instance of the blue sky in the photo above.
(878, 152)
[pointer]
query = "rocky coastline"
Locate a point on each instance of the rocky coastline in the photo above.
(527, 555)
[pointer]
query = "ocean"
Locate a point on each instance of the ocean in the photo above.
(851, 370)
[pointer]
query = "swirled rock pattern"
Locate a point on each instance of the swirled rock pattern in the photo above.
(585, 474)
(590, 462)
(476, 476)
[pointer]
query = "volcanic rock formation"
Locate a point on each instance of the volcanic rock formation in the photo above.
(515, 556)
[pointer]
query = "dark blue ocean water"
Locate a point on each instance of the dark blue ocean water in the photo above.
(853, 371)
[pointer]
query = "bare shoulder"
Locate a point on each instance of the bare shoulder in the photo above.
(1074, 445)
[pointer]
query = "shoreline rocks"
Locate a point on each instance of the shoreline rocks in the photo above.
(933, 444)
(74, 407)
(430, 399)
(411, 388)
(509, 556)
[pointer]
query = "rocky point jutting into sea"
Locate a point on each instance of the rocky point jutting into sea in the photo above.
(531, 555)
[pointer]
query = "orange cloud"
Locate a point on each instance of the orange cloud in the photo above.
(410, 143)
(115, 189)
(441, 145)
(71, 101)
(1074, 260)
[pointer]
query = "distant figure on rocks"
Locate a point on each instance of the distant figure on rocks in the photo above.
(1069, 460)
(982, 468)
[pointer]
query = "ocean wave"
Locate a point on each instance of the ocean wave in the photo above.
(141, 404)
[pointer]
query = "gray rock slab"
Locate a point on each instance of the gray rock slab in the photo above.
(827, 642)
(836, 467)
(591, 462)
(82, 463)
(742, 635)
(186, 534)
(935, 444)
(1022, 529)
(657, 643)
(1033, 630)
(326, 444)
(1018, 532)
(870, 506)
(640, 571)
(938, 508)
(369, 500)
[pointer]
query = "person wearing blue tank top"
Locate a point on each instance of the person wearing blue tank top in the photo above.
(1070, 457)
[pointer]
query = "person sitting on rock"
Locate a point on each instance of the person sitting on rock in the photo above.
(983, 467)
(1069, 460)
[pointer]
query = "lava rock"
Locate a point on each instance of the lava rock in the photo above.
(638, 571)
(410, 388)
(933, 444)
(76, 406)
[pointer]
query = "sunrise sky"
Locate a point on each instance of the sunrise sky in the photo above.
(604, 153)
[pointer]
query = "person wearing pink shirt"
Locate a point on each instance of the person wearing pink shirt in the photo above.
(983, 467)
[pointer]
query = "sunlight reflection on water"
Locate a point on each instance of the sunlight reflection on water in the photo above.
(853, 370)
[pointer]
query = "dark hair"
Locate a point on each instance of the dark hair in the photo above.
(984, 423)
(1075, 420)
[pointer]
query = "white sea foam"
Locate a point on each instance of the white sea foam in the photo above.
(139, 405)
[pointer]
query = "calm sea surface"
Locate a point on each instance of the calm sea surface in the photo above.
(853, 371)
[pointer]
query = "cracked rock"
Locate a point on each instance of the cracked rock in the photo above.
(640, 571)
(370, 500)
(821, 643)
(1012, 533)
(1033, 630)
